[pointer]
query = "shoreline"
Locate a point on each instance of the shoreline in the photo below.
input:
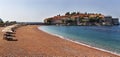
(33, 42)
(89, 46)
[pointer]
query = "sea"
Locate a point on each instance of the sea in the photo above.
(105, 38)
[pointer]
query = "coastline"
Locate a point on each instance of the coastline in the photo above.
(89, 46)
(99, 49)
(33, 42)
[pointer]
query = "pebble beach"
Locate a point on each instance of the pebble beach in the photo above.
(33, 42)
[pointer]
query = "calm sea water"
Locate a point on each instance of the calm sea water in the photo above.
(104, 37)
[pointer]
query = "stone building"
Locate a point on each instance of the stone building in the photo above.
(108, 20)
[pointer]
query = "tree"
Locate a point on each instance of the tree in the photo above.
(73, 13)
(1, 22)
(85, 12)
(13, 22)
(78, 13)
(91, 20)
(58, 15)
(67, 13)
(7, 23)
(49, 21)
(63, 21)
(69, 21)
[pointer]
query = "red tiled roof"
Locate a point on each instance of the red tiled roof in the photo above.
(75, 16)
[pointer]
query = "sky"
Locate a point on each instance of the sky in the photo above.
(38, 10)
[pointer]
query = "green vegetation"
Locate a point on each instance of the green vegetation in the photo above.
(7, 23)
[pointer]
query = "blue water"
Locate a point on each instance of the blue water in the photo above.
(105, 37)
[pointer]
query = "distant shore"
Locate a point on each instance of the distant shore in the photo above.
(34, 42)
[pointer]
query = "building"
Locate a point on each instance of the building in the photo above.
(82, 19)
(108, 20)
(115, 21)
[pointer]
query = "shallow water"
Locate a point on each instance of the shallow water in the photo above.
(104, 37)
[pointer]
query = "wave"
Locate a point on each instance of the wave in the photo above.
(62, 37)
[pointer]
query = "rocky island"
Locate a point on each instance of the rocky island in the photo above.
(83, 19)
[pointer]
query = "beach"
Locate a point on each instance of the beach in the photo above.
(33, 42)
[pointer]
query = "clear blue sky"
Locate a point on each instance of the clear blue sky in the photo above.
(37, 10)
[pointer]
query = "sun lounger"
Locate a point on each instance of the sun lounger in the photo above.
(9, 32)
(8, 36)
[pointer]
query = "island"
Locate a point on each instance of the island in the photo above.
(82, 19)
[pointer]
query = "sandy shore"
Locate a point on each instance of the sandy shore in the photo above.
(35, 43)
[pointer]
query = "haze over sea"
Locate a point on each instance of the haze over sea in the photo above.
(103, 37)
